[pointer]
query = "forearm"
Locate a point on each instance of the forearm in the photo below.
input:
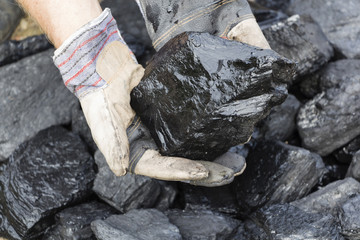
(61, 18)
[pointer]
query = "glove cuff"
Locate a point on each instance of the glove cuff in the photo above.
(76, 58)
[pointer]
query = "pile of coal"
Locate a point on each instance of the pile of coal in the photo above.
(202, 94)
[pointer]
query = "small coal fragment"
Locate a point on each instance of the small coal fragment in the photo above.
(281, 122)
(350, 218)
(202, 94)
(330, 197)
(44, 175)
(32, 97)
(203, 224)
(10, 15)
(149, 224)
(130, 191)
(266, 18)
(12, 51)
(310, 85)
(347, 152)
(332, 118)
(354, 168)
(300, 38)
(74, 222)
(276, 173)
(339, 21)
(284, 221)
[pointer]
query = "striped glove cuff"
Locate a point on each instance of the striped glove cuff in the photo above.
(76, 58)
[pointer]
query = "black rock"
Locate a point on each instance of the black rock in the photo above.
(300, 39)
(350, 218)
(281, 122)
(32, 97)
(334, 171)
(284, 221)
(275, 4)
(11, 51)
(202, 94)
(74, 222)
(354, 168)
(332, 118)
(310, 85)
(147, 224)
(329, 198)
(276, 173)
(266, 17)
(203, 224)
(130, 191)
(347, 152)
(43, 176)
(338, 19)
(10, 15)
(249, 230)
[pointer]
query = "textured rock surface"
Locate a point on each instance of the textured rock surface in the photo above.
(44, 175)
(350, 219)
(329, 198)
(332, 118)
(339, 21)
(283, 222)
(32, 97)
(74, 222)
(202, 94)
(347, 152)
(129, 191)
(276, 173)
(300, 39)
(354, 168)
(10, 15)
(203, 224)
(281, 122)
(147, 224)
(12, 51)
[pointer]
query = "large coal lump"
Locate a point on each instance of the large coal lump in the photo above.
(300, 39)
(203, 224)
(276, 173)
(74, 222)
(12, 51)
(283, 222)
(130, 191)
(144, 224)
(332, 118)
(338, 19)
(32, 97)
(202, 94)
(43, 176)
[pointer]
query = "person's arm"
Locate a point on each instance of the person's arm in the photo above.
(61, 18)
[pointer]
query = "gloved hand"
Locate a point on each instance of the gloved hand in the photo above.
(231, 19)
(98, 67)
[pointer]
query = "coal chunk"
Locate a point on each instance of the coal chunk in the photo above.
(284, 221)
(281, 5)
(332, 118)
(203, 224)
(300, 39)
(202, 94)
(350, 218)
(44, 175)
(354, 168)
(32, 97)
(130, 191)
(12, 51)
(74, 222)
(339, 21)
(276, 173)
(347, 152)
(267, 17)
(10, 15)
(148, 224)
(281, 122)
(329, 198)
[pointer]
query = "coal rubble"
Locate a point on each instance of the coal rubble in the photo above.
(303, 161)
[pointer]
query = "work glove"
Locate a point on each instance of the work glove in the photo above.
(230, 19)
(98, 67)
